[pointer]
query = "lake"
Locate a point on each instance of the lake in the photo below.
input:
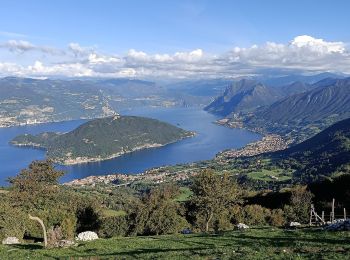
(210, 139)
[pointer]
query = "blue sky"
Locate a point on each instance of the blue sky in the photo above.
(166, 27)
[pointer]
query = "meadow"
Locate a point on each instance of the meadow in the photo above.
(255, 243)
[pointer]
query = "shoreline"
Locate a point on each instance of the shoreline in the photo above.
(84, 160)
(268, 143)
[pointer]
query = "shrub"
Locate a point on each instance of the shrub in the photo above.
(300, 203)
(13, 221)
(113, 226)
(255, 215)
(277, 218)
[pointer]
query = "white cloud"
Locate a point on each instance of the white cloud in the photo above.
(318, 45)
(302, 53)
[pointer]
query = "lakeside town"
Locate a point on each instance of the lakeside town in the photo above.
(269, 143)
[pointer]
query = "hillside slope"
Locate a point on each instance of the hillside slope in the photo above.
(307, 112)
(326, 153)
(104, 138)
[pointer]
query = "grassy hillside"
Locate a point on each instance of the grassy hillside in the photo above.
(104, 138)
(265, 243)
(322, 155)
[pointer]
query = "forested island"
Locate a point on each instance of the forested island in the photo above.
(103, 139)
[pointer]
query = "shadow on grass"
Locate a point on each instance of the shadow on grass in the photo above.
(28, 246)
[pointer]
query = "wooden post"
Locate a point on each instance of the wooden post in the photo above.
(42, 226)
(323, 216)
(344, 213)
(333, 202)
(311, 211)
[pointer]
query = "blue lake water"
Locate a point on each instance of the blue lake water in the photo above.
(210, 139)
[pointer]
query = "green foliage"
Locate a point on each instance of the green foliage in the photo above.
(35, 186)
(212, 195)
(277, 218)
(113, 226)
(255, 215)
(36, 191)
(300, 203)
(158, 213)
(105, 137)
(12, 221)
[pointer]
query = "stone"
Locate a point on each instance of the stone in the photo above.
(87, 236)
(294, 224)
(10, 241)
(64, 243)
(241, 226)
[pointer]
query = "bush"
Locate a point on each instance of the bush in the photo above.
(113, 226)
(300, 203)
(13, 221)
(256, 215)
(277, 218)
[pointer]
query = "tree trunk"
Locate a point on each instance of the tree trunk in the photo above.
(209, 217)
(42, 226)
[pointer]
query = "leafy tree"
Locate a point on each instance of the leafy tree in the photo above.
(299, 206)
(32, 186)
(158, 213)
(212, 195)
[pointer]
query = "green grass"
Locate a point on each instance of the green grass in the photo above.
(113, 213)
(264, 243)
(265, 175)
(185, 193)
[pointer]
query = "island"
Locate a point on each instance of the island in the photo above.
(103, 139)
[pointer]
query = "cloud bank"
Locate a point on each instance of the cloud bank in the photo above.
(303, 53)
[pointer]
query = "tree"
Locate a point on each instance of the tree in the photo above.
(299, 206)
(213, 194)
(32, 185)
(158, 213)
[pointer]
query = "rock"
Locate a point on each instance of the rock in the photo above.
(241, 226)
(10, 241)
(339, 225)
(186, 231)
(294, 224)
(64, 243)
(87, 236)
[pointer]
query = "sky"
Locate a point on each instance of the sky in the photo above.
(172, 38)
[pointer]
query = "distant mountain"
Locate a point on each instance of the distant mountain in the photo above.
(325, 154)
(202, 88)
(104, 138)
(294, 88)
(242, 96)
(27, 101)
(291, 78)
(316, 109)
(24, 100)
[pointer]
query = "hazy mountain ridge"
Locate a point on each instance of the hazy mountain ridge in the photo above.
(26, 101)
(244, 95)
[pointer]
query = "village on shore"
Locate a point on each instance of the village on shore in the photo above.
(269, 143)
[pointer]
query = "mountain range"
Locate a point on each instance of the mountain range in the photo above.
(248, 95)
(310, 112)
